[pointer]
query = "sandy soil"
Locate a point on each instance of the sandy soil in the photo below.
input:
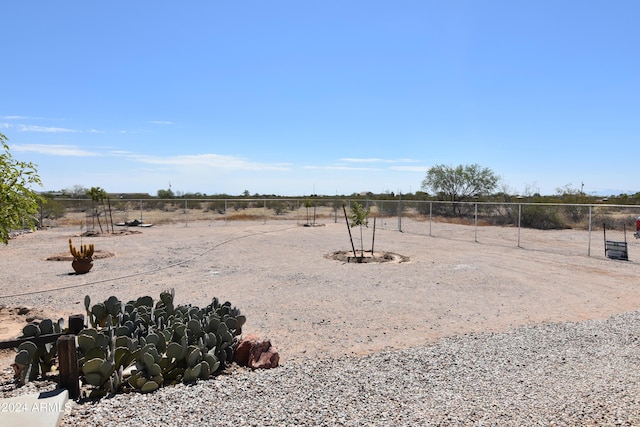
(279, 275)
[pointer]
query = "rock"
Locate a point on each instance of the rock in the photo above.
(241, 355)
(263, 356)
(23, 311)
(256, 353)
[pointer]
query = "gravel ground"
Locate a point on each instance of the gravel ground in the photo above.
(464, 334)
(555, 374)
(583, 373)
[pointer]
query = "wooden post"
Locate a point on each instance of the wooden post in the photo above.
(76, 323)
(68, 365)
(349, 230)
(373, 239)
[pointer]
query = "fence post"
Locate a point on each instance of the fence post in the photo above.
(519, 216)
(400, 212)
(589, 247)
(186, 218)
(68, 370)
(475, 228)
(76, 323)
(430, 217)
(265, 211)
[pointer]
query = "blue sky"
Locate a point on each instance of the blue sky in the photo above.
(296, 97)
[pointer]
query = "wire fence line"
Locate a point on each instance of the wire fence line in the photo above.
(446, 219)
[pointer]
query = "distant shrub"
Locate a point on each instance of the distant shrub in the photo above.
(278, 207)
(52, 209)
(541, 217)
(194, 204)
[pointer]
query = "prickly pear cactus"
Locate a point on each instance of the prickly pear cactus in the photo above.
(141, 345)
(33, 360)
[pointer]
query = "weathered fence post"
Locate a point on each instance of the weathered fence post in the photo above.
(69, 372)
(400, 212)
(76, 323)
(430, 217)
(475, 224)
(519, 221)
(68, 365)
(589, 247)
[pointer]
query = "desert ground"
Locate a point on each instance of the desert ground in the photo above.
(457, 280)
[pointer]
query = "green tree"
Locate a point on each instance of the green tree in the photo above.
(572, 197)
(76, 192)
(18, 202)
(165, 194)
(51, 208)
(460, 183)
(98, 195)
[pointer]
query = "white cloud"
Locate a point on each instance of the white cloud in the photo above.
(43, 129)
(376, 160)
(342, 168)
(410, 168)
(369, 164)
(55, 150)
(46, 129)
(216, 161)
(160, 122)
(19, 118)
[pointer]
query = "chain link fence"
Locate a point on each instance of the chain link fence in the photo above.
(471, 221)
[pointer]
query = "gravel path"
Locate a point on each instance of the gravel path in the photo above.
(582, 373)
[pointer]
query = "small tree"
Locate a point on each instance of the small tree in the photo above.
(18, 202)
(572, 196)
(98, 195)
(76, 192)
(308, 203)
(358, 217)
(460, 183)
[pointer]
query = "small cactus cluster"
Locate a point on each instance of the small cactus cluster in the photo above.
(141, 346)
(32, 360)
(84, 252)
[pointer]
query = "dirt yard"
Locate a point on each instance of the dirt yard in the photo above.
(280, 277)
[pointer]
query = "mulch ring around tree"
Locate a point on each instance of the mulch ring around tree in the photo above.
(68, 257)
(98, 254)
(94, 233)
(367, 257)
